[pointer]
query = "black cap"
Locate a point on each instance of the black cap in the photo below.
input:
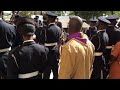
(25, 20)
(26, 26)
(112, 17)
(104, 20)
(93, 20)
(52, 14)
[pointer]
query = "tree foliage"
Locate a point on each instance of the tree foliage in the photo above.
(83, 14)
(26, 13)
(90, 14)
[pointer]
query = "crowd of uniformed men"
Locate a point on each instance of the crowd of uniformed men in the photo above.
(32, 49)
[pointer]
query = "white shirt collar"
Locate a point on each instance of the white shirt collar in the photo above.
(28, 41)
(51, 23)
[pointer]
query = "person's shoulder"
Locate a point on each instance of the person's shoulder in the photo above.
(6, 24)
(54, 27)
(39, 47)
(36, 45)
(15, 49)
(72, 43)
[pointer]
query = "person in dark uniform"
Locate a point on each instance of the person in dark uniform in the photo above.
(113, 29)
(37, 21)
(114, 37)
(28, 60)
(7, 37)
(18, 39)
(45, 19)
(92, 29)
(41, 31)
(100, 41)
(59, 24)
(53, 34)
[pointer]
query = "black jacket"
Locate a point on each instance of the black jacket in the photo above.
(100, 41)
(7, 34)
(29, 56)
(53, 33)
(91, 31)
(114, 35)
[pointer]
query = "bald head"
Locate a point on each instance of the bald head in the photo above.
(75, 24)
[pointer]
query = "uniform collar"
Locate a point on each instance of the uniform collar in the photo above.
(28, 41)
(101, 30)
(51, 23)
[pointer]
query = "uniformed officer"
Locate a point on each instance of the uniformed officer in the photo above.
(114, 37)
(37, 21)
(7, 37)
(59, 24)
(112, 31)
(100, 41)
(53, 34)
(92, 29)
(41, 31)
(45, 20)
(28, 60)
(18, 38)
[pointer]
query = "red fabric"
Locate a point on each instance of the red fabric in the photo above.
(115, 66)
(114, 70)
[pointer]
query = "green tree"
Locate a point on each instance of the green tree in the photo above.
(26, 13)
(90, 14)
(63, 13)
(117, 13)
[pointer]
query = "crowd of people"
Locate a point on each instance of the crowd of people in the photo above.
(32, 49)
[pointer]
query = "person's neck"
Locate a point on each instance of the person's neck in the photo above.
(92, 26)
(101, 29)
(51, 22)
(26, 39)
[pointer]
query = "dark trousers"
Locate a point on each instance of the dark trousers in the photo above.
(52, 64)
(3, 65)
(98, 68)
(107, 56)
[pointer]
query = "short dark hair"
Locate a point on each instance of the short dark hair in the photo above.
(26, 29)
